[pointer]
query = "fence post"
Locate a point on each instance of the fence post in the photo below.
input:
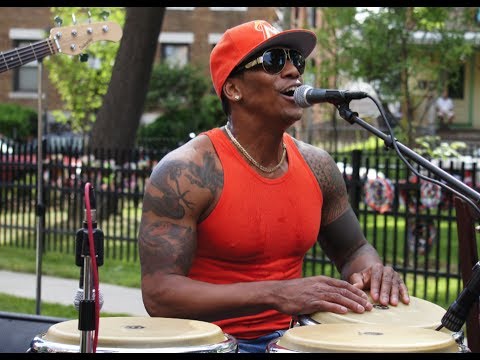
(355, 184)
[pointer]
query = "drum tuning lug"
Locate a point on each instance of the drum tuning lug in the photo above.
(458, 336)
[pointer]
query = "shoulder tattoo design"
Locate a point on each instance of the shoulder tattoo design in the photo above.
(165, 244)
(330, 180)
(174, 200)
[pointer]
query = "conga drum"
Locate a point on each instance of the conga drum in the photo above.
(139, 334)
(362, 338)
(419, 313)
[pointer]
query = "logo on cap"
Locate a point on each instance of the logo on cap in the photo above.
(267, 29)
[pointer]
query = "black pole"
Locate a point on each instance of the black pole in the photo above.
(356, 184)
(40, 238)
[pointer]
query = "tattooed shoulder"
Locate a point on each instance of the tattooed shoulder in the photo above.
(181, 179)
(329, 178)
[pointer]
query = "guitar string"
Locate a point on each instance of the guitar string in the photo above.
(11, 58)
(27, 49)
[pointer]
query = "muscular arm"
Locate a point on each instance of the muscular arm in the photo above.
(340, 234)
(342, 239)
(344, 243)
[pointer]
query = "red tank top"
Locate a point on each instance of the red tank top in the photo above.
(259, 230)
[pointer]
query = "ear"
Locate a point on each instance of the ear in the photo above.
(231, 90)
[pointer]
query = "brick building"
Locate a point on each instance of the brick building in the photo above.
(188, 35)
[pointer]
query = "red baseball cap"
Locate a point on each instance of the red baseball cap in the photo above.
(240, 42)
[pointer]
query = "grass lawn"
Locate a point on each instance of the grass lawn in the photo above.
(113, 271)
(20, 305)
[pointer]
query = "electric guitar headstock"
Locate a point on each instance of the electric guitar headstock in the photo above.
(69, 40)
(73, 40)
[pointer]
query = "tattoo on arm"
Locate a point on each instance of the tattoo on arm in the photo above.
(169, 246)
(174, 199)
(165, 247)
(331, 182)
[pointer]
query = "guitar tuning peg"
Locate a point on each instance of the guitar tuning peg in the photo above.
(83, 57)
(89, 14)
(74, 19)
(58, 21)
(105, 14)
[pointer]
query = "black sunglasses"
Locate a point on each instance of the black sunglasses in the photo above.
(273, 60)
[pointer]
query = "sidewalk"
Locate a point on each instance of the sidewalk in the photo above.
(117, 299)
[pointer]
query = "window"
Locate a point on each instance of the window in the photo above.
(175, 47)
(189, 8)
(25, 77)
(175, 54)
(213, 39)
(233, 8)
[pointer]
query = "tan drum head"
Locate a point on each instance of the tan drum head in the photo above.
(141, 332)
(419, 313)
(366, 338)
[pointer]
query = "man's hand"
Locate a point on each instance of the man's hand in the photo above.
(385, 284)
(319, 293)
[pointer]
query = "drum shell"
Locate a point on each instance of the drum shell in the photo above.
(363, 338)
(139, 335)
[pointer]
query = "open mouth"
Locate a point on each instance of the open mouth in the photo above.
(289, 92)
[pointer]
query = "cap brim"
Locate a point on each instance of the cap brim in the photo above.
(301, 40)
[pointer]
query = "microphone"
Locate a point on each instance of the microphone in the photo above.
(79, 294)
(306, 96)
(457, 313)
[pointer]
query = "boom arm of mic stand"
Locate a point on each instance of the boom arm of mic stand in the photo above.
(465, 190)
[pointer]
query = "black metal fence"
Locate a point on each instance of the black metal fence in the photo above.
(411, 224)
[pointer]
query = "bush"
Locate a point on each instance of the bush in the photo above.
(184, 96)
(17, 122)
(174, 126)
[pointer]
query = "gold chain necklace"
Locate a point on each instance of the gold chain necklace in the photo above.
(251, 159)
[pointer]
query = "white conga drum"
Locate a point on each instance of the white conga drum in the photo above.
(139, 334)
(362, 338)
(419, 313)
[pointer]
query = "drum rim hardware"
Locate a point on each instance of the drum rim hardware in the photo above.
(40, 345)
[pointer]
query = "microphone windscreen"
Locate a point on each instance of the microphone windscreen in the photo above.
(79, 297)
(300, 96)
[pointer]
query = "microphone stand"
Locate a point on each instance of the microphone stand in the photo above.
(86, 314)
(352, 118)
(456, 315)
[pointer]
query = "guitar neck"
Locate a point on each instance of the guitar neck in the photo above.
(20, 56)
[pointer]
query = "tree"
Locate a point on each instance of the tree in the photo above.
(331, 59)
(119, 117)
(82, 85)
(397, 46)
(184, 96)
